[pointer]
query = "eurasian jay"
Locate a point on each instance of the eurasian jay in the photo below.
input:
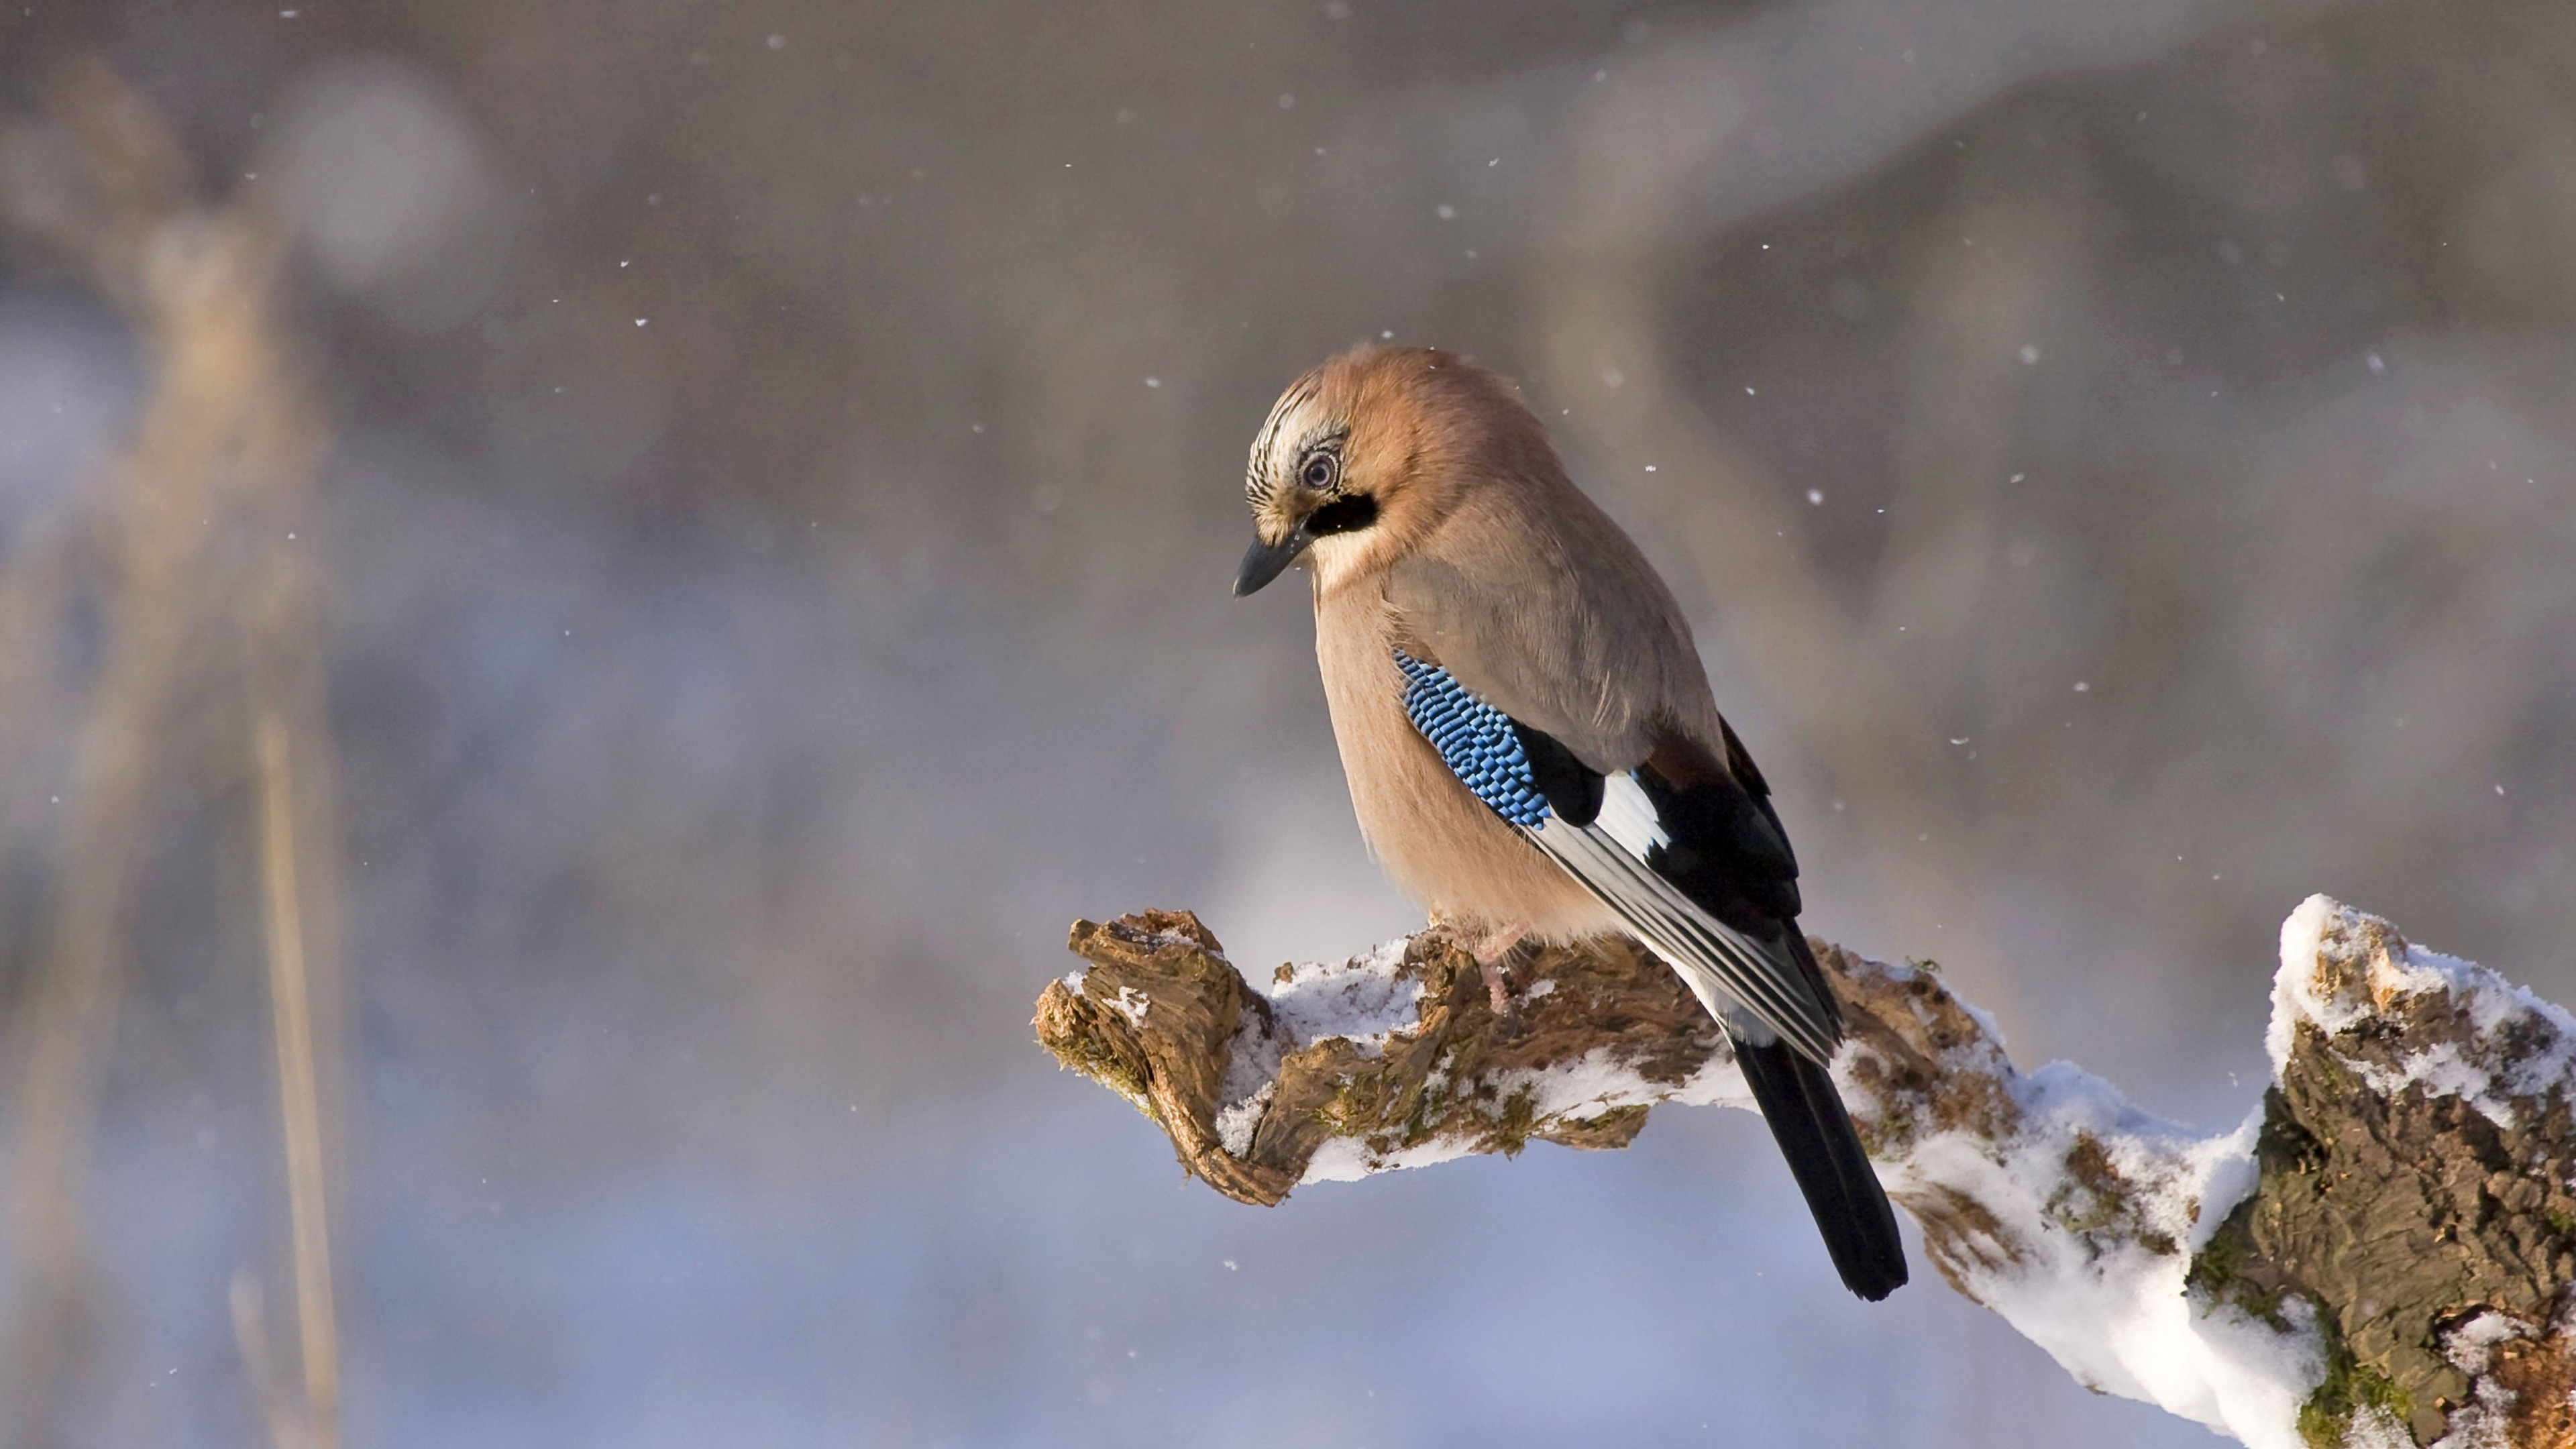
(1531, 745)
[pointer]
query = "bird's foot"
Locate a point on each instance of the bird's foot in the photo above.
(1492, 952)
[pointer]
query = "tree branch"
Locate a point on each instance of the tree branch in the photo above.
(2380, 1254)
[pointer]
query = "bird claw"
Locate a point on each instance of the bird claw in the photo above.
(1492, 953)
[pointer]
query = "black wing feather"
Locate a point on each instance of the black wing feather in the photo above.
(1573, 788)
(1727, 851)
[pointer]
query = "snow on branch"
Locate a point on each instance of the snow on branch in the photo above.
(2380, 1254)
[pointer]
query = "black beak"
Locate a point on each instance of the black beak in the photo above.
(1266, 561)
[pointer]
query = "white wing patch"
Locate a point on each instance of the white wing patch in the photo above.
(1628, 817)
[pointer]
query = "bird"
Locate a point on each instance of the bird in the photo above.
(1532, 748)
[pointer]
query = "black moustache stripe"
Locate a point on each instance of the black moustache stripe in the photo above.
(1342, 515)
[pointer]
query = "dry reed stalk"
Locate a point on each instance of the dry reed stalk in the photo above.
(189, 429)
(227, 435)
(299, 1098)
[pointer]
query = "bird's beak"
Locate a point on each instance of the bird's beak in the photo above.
(1265, 561)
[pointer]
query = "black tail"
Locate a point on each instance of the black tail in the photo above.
(1815, 1134)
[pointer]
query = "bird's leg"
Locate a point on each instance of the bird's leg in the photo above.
(1490, 951)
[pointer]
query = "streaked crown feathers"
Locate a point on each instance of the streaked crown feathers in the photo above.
(1294, 428)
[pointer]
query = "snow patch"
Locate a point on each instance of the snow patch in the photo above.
(1235, 1124)
(2111, 1310)
(1364, 1001)
(1601, 1081)
(2471, 1345)
(1347, 1159)
(1131, 1004)
(2331, 979)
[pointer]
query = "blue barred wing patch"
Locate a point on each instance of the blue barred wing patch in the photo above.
(1474, 740)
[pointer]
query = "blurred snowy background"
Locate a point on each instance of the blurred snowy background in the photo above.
(781, 487)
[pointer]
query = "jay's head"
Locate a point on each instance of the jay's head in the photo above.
(1368, 454)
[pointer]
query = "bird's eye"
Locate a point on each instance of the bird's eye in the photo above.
(1319, 471)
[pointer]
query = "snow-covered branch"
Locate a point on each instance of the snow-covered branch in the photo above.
(2379, 1255)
